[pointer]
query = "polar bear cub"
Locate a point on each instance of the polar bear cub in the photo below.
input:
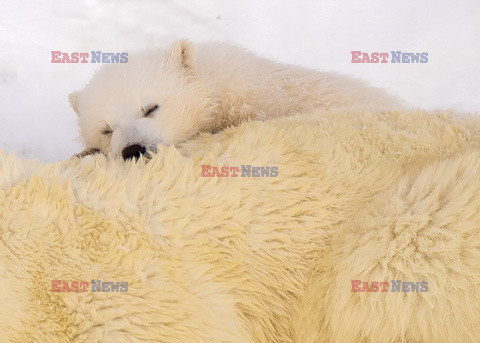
(166, 97)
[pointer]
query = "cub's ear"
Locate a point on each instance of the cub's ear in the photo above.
(73, 99)
(183, 54)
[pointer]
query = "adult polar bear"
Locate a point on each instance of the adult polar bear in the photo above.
(168, 97)
(359, 196)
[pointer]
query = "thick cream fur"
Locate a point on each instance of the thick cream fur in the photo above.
(358, 195)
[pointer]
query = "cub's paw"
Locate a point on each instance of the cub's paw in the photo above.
(87, 152)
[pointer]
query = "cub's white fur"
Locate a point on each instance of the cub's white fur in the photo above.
(203, 89)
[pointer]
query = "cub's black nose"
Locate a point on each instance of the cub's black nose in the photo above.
(133, 151)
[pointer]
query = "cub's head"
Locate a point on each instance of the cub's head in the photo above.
(154, 98)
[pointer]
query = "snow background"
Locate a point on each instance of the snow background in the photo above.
(35, 117)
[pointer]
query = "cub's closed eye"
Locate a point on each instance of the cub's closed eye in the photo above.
(149, 111)
(107, 131)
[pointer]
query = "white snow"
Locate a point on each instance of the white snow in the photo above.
(35, 118)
